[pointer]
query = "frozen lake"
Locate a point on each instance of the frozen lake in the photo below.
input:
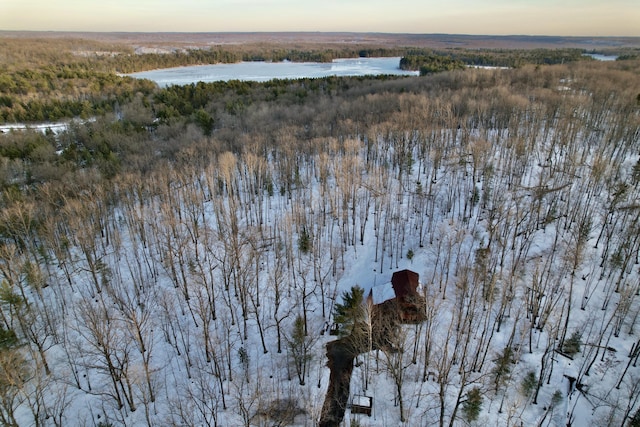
(264, 71)
(600, 57)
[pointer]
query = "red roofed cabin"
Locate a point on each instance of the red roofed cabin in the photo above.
(405, 285)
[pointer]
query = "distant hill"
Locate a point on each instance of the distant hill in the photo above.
(378, 39)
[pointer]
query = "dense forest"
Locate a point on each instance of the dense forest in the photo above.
(177, 256)
(51, 79)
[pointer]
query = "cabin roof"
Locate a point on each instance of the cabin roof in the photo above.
(405, 283)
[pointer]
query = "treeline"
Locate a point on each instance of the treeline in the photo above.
(448, 59)
(517, 58)
(428, 64)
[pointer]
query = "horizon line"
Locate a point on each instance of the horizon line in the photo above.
(323, 32)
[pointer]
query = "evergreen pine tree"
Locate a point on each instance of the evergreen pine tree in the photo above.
(572, 344)
(304, 241)
(529, 384)
(472, 406)
(300, 346)
(350, 314)
(502, 370)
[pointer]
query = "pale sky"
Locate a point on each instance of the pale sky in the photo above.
(498, 17)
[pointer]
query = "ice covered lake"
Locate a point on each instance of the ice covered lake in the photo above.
(264, 71)
(601, 57)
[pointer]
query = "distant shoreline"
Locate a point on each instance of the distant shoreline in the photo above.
(199, 39)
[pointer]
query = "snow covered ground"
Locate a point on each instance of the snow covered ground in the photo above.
(41, 127)
(55, 127)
